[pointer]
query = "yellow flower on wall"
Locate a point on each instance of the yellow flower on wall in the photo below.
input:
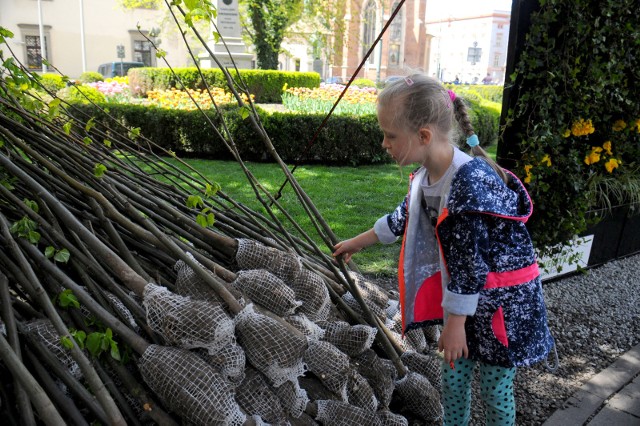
(607, 147)
(612, 164)
(619, 125)
(582, 128)
(527, 170)
(566, 133)
(594, 156)
(546, 160)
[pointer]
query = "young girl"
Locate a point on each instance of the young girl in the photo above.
(467, 259)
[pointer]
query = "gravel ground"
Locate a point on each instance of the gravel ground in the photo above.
(594, 318)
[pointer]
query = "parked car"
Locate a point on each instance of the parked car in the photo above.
(334, 80)
(391, 78)
(117, 69)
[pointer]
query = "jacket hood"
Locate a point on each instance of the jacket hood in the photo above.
(478, 188)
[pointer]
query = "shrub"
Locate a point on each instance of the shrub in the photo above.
(81, 94)
(363, 82)
(90, 77)
(265, 85)
(52, 82)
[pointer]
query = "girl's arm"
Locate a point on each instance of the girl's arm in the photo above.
(348, 247)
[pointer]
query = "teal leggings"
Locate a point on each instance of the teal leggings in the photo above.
(496, 390)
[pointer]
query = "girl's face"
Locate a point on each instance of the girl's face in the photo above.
(403, 145)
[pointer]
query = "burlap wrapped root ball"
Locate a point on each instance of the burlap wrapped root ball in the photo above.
(186, 322)
(330, 365)
(267, 290)
(339, 413)
(419, 397)
(272, 348)
(253, 255)
(190, 387)
(255, 396)
(429, 365)
(188, 283)
(380, 373)
(350, 339)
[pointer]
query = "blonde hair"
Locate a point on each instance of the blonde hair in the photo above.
(419, 101)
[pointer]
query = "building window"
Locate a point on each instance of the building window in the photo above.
(395, 37)
(496, 61)
(34, 52)
(369, 29)
(499, 39)
(297, 64)
(500, 26)
(142, 52)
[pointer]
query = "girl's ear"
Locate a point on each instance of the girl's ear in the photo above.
(425, 135)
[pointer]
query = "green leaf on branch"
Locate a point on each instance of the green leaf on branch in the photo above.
(212, 190)
(32, 205)
(66, 299)
(49, 252)
(134, 133)
(87, 140)
(66, 342)
(66, 127)
(62, 256)
(194, 201)
(99, 170)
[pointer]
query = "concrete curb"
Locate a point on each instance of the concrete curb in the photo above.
(614, 391)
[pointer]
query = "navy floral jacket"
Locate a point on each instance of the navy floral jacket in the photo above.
(487, 267)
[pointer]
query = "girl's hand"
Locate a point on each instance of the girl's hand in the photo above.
(348, 247)
(453, 339)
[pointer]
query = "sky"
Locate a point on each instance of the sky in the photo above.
(443, 8)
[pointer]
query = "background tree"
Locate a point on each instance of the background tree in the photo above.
(269, 21)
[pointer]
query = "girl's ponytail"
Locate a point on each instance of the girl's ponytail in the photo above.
(462, 117)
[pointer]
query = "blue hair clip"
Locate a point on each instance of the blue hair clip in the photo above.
(473, 140)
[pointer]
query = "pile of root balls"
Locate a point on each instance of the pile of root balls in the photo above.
(133, 291)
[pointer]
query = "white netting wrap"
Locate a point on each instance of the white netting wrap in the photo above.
(43, 331)
(189, 386)
(187, 322)
(122, 310)
(419, 396)
(307, 327)
(270, 347)
(255, 396)
(350, 339)
(293, 398)
(338, 413)
(311, 289)
(426, 364)
(380, 373)
(432, 334)
(387, 418)
(228, 360)
(189, 284)
(330, 365)
(370, 292)
(376, 310)
(266, 289)
(254, 255)
(360, 392)
(416, 339)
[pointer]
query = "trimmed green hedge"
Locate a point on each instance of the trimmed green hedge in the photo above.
(345, 140)
(265, 85)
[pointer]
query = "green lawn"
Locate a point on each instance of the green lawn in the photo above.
(350, 199)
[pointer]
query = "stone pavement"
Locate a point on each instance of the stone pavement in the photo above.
(610, 398)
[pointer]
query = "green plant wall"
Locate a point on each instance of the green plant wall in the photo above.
(573, 123)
